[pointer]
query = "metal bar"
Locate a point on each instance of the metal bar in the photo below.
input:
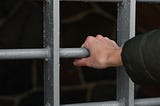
(73, 52)
(24, 54)
(125, 31)
(42, 53)
(109, 103)
(147, 102)
(94, 0)
(51, 41)
(138, 102)
(48, 65)
(152, 1)
(56, 57)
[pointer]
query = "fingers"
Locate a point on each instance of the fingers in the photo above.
(99, 37)
(101, 50)
(92, 39)
(87, 42)
(114, 43)
(106, 38)
(93, 44)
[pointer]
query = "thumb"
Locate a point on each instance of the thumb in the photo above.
(80, 62)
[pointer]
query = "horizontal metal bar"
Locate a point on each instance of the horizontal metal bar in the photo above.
(23, 53)
(73, 52)
(41, 53)
(152, 1)
(109, 103)
(138, 102)
(147, 102)
(95, 0)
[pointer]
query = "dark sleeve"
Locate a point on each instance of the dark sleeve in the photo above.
(141, 57)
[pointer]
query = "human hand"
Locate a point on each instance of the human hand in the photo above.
(103, 53)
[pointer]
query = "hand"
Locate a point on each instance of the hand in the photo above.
(103, 53)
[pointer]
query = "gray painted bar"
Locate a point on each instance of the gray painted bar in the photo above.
(125, 31)
(138, 102)
(51, 41)
(151, 1)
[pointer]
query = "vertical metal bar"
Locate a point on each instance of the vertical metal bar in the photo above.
(126, 30)
(56, 56)
(48, 64)
(51, 41)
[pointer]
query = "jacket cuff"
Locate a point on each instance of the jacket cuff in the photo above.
(134, 62)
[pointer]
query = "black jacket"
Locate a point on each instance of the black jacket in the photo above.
(141, 57)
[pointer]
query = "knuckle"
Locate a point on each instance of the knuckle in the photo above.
(89, 38)
(113, 41)
(98, 35)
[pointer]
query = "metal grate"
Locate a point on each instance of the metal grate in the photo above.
(126, 27)
(51, 53)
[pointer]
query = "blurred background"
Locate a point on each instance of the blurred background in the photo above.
(21, 26)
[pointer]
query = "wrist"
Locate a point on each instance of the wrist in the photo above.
(116, 58)
(119, 57)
